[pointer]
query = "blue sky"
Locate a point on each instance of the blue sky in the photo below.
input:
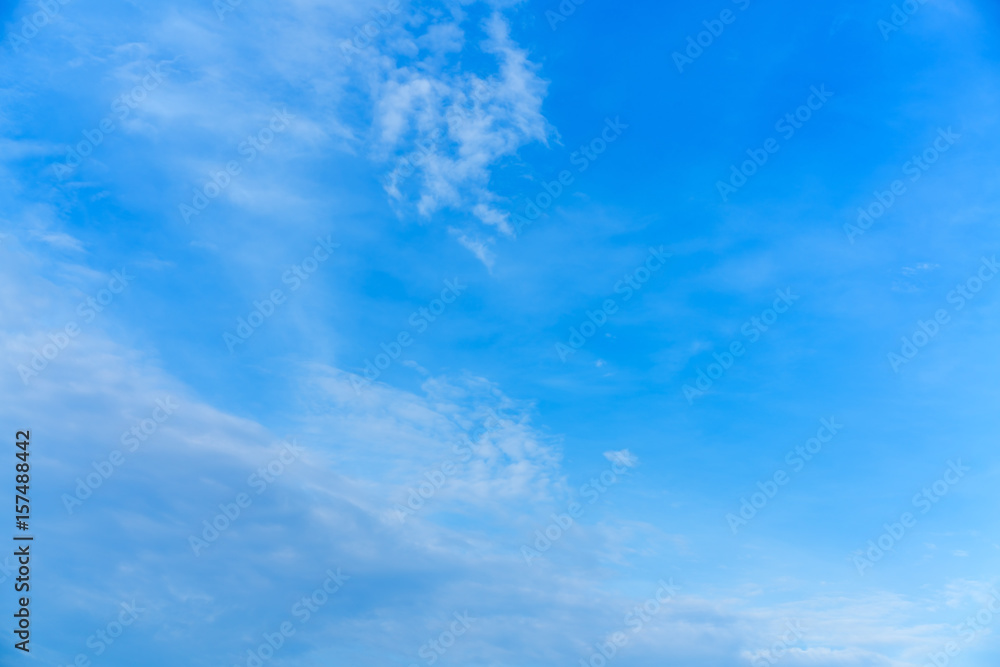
(494, 275)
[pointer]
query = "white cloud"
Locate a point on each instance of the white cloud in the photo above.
(478, 247)
(452, 128)
(333, 508)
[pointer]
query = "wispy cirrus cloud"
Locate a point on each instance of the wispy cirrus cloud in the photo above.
(445, 129)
